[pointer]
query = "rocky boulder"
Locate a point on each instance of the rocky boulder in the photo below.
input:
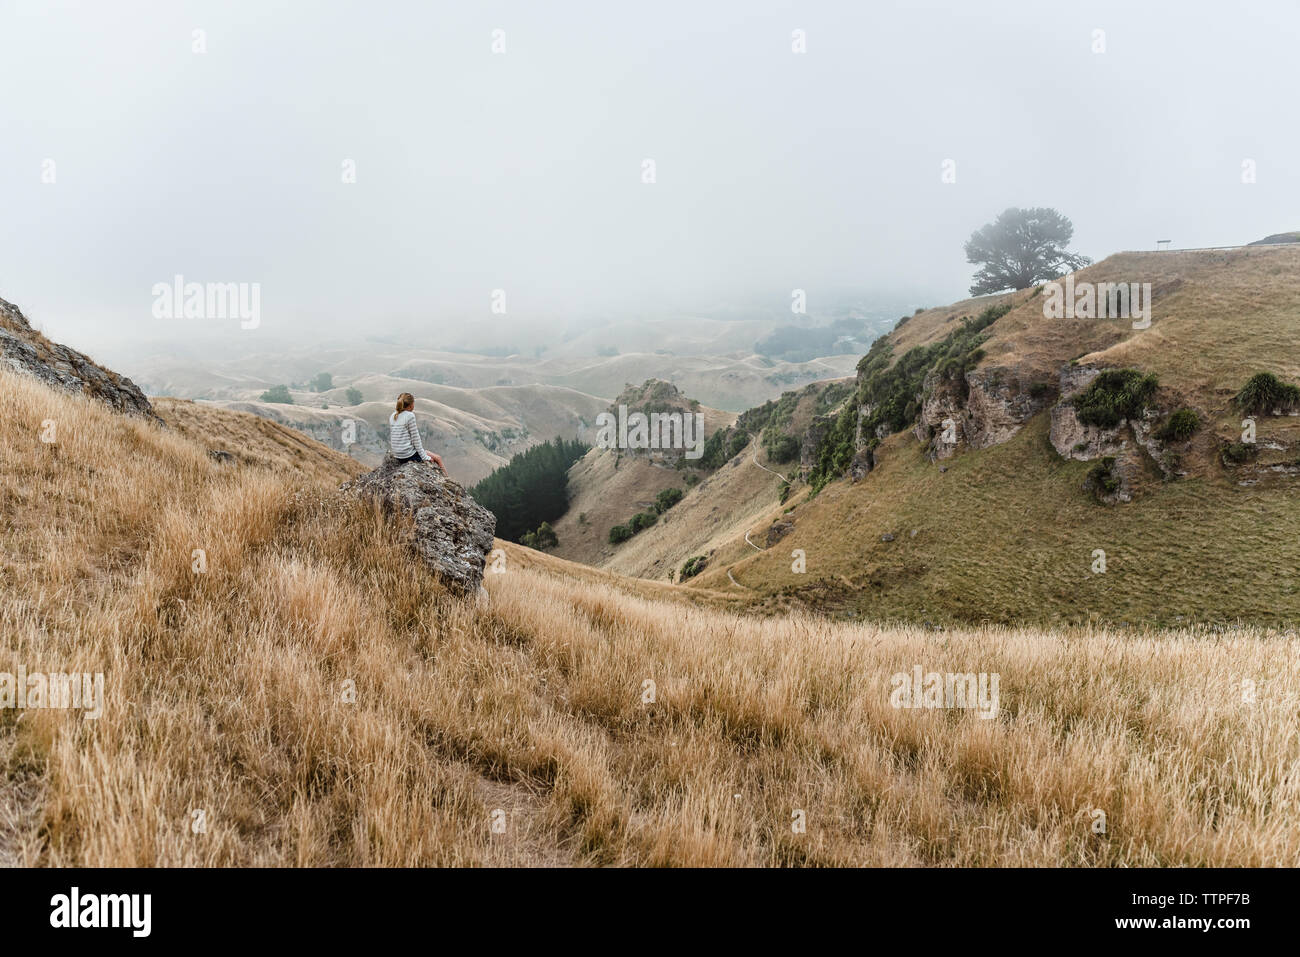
(1070, 437)
(864, 460)
(451, 533)
(779, 530)
(26, 351)
(1074, 440)
(1114, 479)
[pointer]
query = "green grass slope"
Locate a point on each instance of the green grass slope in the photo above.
(1009, 532)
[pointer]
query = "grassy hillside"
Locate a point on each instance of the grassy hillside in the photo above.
(609, 486)
(711, 516)
(254, 440)
(321, 701)
(1007, 532)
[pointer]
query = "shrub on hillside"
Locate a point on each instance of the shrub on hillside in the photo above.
(785, 448)
(354, 396)
(722, 446)
(1102, 478)
(1180, 427)
(542, 539)
(278, 393)
(1238, 453)
(667, 499)
(1265, 392)
(693, 566)
(1115, 395)
(637, 523)
(642, 520)
(322, 383)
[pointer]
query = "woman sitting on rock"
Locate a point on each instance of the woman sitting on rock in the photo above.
(404, 435)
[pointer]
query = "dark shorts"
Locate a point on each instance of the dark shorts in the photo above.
(413, 457)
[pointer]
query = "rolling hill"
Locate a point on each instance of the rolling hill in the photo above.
(308, 695)
(731, 381)
(992, 500)
(477, 410)
(474, 430)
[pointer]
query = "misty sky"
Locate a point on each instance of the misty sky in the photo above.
(523, 170)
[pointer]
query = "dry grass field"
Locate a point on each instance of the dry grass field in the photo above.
(311, 697)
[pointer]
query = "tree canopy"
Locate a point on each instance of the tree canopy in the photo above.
(1020, 248)
(531, 489)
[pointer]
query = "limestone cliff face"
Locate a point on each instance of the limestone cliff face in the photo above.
(1127, 443)
(812, 438)
(1074, 440)
(987, 407)
(26, 351)
(1070, 437)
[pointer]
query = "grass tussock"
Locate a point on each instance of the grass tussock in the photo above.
(321, 701)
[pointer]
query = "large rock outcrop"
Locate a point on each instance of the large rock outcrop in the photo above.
(1074, 440)
(26, 351)
(450, 532)
(985, 408)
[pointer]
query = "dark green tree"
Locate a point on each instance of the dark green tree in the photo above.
(531, 489)
(667, 499)
(1020, 248)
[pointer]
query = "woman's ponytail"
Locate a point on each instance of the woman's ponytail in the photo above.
(405, 401)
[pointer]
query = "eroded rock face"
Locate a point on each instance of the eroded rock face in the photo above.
(1144, 433)
(1000, 405)
(26, 351)
(778, 530)
(1074, 440)
(1125, 469)
(864, 460)
(995, 405)
(1070, 437)
(812, 438)
(944, 414)
(450, 532)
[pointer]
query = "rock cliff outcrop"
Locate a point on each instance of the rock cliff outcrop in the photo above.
(987, 407)
(26, 351)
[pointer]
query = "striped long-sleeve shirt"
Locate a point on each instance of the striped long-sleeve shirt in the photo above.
(404, 436)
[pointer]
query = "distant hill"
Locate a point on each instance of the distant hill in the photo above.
(1278, 238)
(608, 486)
(474, 430)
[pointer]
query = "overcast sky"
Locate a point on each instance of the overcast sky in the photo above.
(523, 170)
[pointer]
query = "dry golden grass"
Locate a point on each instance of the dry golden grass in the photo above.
(226, 693)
